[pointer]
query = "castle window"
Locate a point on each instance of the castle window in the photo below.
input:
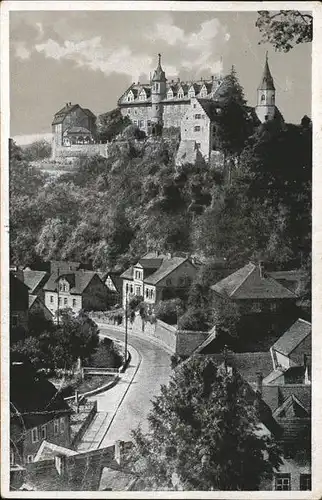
(197, 128)
(180, 95)
(262, 97)
(197, 117)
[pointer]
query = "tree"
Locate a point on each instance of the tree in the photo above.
(37, 150)
(285, 29)
(169, 310)
(202, 434)
(110, 124)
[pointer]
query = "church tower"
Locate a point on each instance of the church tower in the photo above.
(158, 93)
(265, 108)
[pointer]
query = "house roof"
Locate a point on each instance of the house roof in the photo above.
(247, 283)
(63, 112)
(293, 337)
(34, 399)
(78, 130)
(128, 273)
(88, 112)
(267, 82)
(150, 263)
(33, 279)
(49, 450)
(79, 280)
(166, 268)
(63, 265)
(210, 107)
(275, 395)
(32, 299)
(116, 480)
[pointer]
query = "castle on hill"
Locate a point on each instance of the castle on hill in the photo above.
(161, 104)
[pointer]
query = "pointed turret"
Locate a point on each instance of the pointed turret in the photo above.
(158, 93)
(159, 74)
(265, 108)
(267, 82)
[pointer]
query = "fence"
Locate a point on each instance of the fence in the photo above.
(91, 409)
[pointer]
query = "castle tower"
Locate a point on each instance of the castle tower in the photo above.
(158, 93)
(265, 108)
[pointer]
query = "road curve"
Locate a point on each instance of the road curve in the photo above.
(153, 371)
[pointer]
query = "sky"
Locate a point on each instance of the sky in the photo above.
(91, 57)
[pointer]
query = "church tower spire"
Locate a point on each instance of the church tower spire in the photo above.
(265, 108)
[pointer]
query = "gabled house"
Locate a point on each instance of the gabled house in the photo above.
(37, 412)
(113, 282)
(75, 290)
(35, 280)
(36, 305)
(293, 348)
(254, 290)
(157, 277)
(73, 125)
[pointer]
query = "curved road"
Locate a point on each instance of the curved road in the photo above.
(153, 371)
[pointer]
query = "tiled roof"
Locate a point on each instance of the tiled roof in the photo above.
(116, 480)
(247, 283)
(150, 263)
(63, 266)
(290, 279)
(34, 278)
(293, 337)
(275, 395)
(49, 450)
(32, 299)
(78, 130)
(167, 267)
(88, 112)
(80, 280)
(128, 273)
(210, 107)
(62, 113)
(248, 364)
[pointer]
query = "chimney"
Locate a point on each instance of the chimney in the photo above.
(119, 452)
(259, 383)
(67, 104)
(60, 464)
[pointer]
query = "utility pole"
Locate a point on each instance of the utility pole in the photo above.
(58, 296)
(125, 348)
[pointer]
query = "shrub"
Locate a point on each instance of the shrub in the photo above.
(194, 320)
(169, 310)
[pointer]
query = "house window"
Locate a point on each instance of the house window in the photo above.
(273, 306)
(30, 458)
(137, 290)
(256, 307)
(197, 128)
(194, 106)
(56, 427)
(147, 293)
(65, 301)
(34, 434)
(131, 289)
(305, 482)
(62, 425)
(197, 116)
(51, 299)
(283, 482)
(74, 302)
(43, 432)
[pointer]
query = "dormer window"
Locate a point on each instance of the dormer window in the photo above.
(180, 94)
(192, 93)
(130, 97)
(142, 96)
(170, 94)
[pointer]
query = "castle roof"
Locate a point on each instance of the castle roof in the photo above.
(267, 82)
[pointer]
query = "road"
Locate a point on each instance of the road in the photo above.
(153, 371)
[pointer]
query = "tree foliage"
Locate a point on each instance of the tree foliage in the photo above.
(203, 414)
(285, 29)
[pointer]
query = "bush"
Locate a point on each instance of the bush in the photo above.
(169, 310)
(194, 320)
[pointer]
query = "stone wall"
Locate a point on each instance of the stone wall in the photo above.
(173, 113)
(80, 150)
(188, 341)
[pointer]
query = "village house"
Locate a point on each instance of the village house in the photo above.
(113, 282)
(19, 304)
(35, 280)
(73, 125)
(37, 306)
(59, 468)
(37, 412)
(75, 290)
(254, 290)
(157, 277)
(278, 381)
